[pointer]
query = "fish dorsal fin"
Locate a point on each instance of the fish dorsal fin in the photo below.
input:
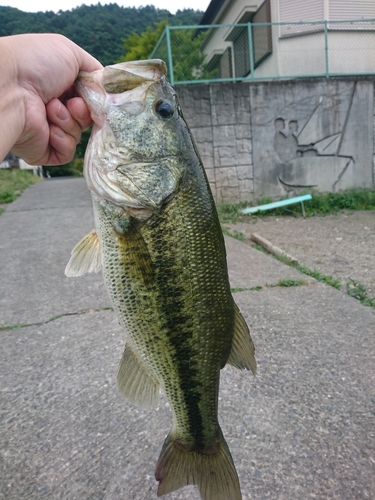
(242, 353)
(86, 256)
(135, 382)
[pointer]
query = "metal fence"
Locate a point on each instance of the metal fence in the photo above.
(267, 51)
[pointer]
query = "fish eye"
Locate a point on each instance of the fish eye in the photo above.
(164, 109)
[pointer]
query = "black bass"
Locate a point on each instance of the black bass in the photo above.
(160, 246)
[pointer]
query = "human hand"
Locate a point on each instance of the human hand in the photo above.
(40, 112)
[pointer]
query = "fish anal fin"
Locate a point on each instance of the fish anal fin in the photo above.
(242, 353)
(135, 382)
(213, 472)
(85, 257)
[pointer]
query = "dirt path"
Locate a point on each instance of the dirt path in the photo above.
(342, 245)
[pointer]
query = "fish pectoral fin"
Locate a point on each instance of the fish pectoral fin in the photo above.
(242, 353)
(214, 473)
(86, 256)
(135, 382)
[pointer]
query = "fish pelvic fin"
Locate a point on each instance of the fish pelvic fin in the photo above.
(85, 257)
(242, 352)
(135, 382)
(213, 472)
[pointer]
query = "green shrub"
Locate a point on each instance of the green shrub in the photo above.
(72, 169)
(320, 204)
(13, 182)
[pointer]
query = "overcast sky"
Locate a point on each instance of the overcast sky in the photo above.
(56, 5)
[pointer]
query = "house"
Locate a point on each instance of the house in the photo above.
(303, 38)
(260, 128)
(14, 162)
(10, 161)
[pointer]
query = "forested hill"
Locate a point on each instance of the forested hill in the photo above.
(99, 29)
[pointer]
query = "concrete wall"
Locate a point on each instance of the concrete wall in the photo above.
(219, 118)
(282, 138)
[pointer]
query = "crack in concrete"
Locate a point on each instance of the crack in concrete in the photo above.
(6, 328)
(281, 284)
(285, 283)
(45, 208)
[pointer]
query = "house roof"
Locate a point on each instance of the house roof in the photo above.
(212, 11)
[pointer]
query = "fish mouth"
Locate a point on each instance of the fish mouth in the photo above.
(125, 76)
(134, 182)
(113, 84)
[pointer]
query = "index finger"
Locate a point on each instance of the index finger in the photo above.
(86, 61)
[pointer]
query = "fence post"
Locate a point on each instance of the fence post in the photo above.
(326, 46)
(251, 50)
(169, 51)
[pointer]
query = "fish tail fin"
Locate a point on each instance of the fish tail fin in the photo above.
(213, 472)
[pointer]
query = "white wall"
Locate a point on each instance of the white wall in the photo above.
(349, 51)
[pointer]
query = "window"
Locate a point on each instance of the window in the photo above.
(221, 64)
(295, 11)
(261, 40)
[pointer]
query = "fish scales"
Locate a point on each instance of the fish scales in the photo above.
(164, 264)
(161, 287)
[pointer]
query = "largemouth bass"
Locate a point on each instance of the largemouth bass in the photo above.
(159, 243)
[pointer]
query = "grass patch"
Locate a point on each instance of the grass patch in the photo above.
(237, 236)
(13, 182)
(353, 288)
(288, 283)
(230, 213)
(320, 204)
(352, 199)
(285, 282)
(359, 292)
(244, 289)
(323, 278)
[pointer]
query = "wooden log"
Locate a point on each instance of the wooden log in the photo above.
(272, 248)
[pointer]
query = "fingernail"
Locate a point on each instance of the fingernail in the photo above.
(62, 113)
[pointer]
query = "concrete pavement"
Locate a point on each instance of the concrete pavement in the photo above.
(303, 428)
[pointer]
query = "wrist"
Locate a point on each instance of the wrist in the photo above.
(12, 112)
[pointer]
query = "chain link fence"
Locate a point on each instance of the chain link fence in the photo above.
(267, 51)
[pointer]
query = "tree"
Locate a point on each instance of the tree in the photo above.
(138, 47)
(99, 29)
(187, 56)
